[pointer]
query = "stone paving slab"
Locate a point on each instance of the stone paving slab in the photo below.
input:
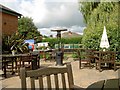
(82, 77)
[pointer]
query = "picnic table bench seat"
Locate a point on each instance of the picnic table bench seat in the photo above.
(109, 84)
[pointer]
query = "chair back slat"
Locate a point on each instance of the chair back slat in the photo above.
(48, 81)
(70, 75)
(63, 80)
(23, 78)
(40, 82)
(49, 73)
(56, 81)
(32, 80)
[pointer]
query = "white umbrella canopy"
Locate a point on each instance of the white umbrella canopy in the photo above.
(104, 40)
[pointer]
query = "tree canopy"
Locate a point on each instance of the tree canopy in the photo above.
(96, 16)
(25, 24)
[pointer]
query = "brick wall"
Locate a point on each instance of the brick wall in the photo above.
(0, 23)
(0, 35)
(9, 24)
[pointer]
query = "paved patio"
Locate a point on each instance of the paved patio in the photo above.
(82, 77)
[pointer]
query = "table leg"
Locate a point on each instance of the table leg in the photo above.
(12, 67)
(38, 63)
(4, 65)
(4, 69)
(34, 64)
(44, 54)
(16, 65)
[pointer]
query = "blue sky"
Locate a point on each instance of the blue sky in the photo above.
(49, 14)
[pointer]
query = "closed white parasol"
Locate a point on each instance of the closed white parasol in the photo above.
(104, 40)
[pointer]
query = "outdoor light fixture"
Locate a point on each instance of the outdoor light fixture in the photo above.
(59, 35)
(59, 53)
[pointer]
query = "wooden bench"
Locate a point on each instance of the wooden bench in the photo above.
(85, 57)
(112, 83)
(98, 85)
(109, 84)
(105, 57)
(62, 76)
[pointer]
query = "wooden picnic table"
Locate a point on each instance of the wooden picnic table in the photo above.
(109, 84)
(9, 58)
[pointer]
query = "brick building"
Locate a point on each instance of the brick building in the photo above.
(8, 20)
(70, 34)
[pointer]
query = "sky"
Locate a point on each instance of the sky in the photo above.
(50, 14)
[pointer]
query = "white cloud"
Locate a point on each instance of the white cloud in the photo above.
(35, 9)
(12, 4)
(49, 13)
(6, 1)
(61, 14)
(48, 32)
(62, 0)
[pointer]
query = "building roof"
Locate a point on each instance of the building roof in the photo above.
(70, 34)
(9, 11)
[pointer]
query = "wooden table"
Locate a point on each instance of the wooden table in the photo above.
(109, 84)
(6, 58)
(13, 59)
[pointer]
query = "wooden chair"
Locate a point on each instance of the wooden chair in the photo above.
(52, 55)
(84, 58)
(26, 61)
(31, 61)
(35, 60)
(105, 57)
(54, 77)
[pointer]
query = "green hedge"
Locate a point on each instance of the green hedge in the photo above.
(53, 41)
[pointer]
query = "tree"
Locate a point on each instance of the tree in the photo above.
(87, 8)
(104, 14)
(97, 15)
(26, 24)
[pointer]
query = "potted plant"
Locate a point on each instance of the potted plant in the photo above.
(14, 44)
